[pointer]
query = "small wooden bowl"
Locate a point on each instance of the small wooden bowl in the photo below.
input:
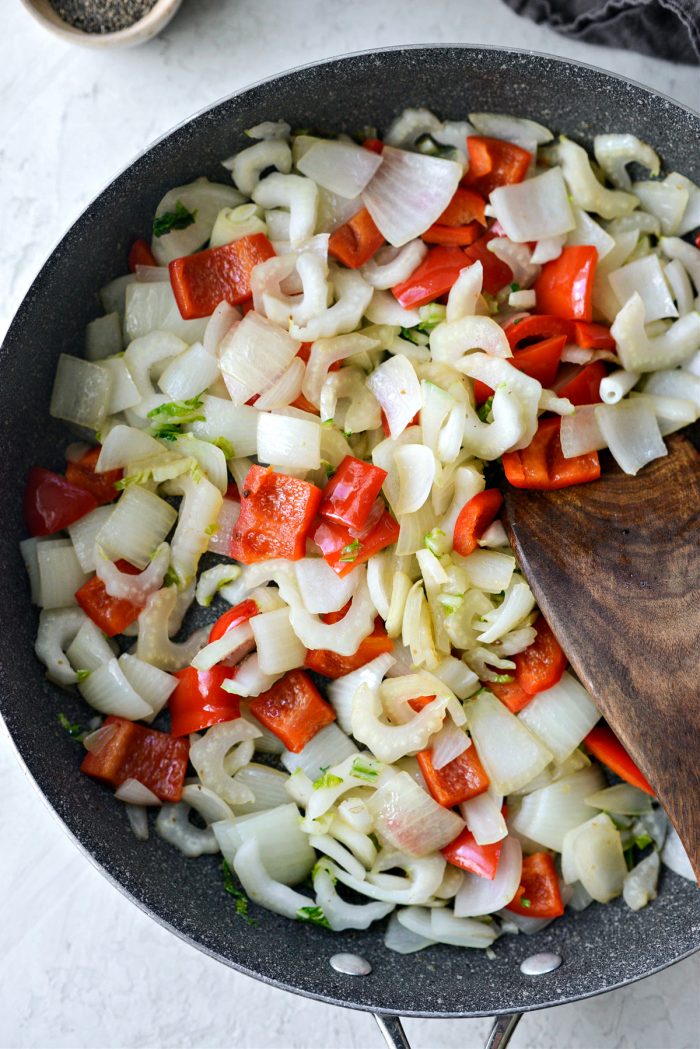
(138, 33)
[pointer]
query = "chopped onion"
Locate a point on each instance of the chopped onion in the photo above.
(392, 266)
(484, 818)
(321, 589)
(681, 289)
(254, 357)
(124, 445)
(446, 927)
(340, 167)
(236, 424)
(153, 685)
(621, 798)
(263, 889)
(587, 231)
(95, 741)
(151, 308)
(596, 854)
(384, 309)
(341, 691)
(615, 152)
(285, 390)
(489, 570)
(508, 751)
(675, 248)
(448, 744)
(138, 821)
(409, 819)
(691, 215)
(284, 848)
(646, 277)
(416, 467)
(665, 200)
(513, 129)
(221, 320)
(639, 886)
(675, 857)
(135, 793)
(395, 385)
(103, 337)
(249, 680)
(60, 573)
(536, 209)
(327, 748)
(107, 689)
(289, 443)
(409, 192)
(584, 187)
(580, 432)
(136, 527)
(188, 374)
(90, 648)
(279, 648)
(478, 896)
(326, 352)
(548, 814)
(561, 716)
(267, 784)
(631, 432)
(457, 676)
(81, 392)
(123, 391)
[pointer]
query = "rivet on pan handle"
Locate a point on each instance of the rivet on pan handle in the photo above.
(395, 1036)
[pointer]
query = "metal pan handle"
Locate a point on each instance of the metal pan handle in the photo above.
(395, 1036)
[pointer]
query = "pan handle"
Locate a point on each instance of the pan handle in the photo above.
(395, 1036)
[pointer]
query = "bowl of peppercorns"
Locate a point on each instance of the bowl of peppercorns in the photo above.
(103, 23)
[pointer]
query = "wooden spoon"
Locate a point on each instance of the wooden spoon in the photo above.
(615, 568)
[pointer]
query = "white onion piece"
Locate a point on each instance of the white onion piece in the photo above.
(510, 128)
(204, 200)
(82, 533)
(123, 391)
(249, 680)
(326, 749)
(234, 644)
(254, 357)
(221, 320)
(585, 188)
(446, 927)
(279, 648)
(60, 573)
(285, 390)
(95, 741)
(135, 793)
(561, 716)
(631, 432)
(189, 374)
(289, 443)
(489, 570)
(478, 896)
(681, 289)
(409, 192)
(675, 248)
(321, 589)
(666, 201)
(326, 352)
(153, 685)
(341, 167)
(237, 424)
(599, 859)
(341, 691)
(208, 753)
(409, 819)
(392, 266)
(342, 637)
(284, 848)
(547, 815)
(535, 209)
(580, 432)
(509, 753)
(484, 818)
(90, 648)
(675, 857)
(395, 385)
(342, 915)
(622, 798)
(691, 215)
(448, 744)
(457, 676)
(103, 337)
(639, 886)
(646, 277)
(107, 689)
(416, 468)
(173, 825)
(587, 231)
(384, 309)
(124, 445)
(136, 527)
(267, 784)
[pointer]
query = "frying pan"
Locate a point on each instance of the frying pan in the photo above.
(600, 948)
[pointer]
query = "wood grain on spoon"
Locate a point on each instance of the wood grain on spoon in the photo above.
(615, 567)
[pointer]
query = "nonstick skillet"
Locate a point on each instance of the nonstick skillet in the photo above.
(601, 948)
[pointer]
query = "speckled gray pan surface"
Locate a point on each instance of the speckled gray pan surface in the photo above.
(601, 948)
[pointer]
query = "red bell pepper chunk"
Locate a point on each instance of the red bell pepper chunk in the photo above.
(111, 614)
(539, 893)
(201, 281)
(606, 747)
(351, 492)
(457, 781)
(474, 518)
(375, 145)
(542, 464)
(140, 255)
(541, 664)
(452, 236)
(293, 709)
(539, 361)
(199, 701)
(494, 162)
(276, 514)
(344, 551)
(51, 502)
(584, 388)
(464, 852)
(466, 206)
(496, 272)
(415, 421)
(82, 474)
(565, 285)
(593, 336)
(234, 617)
(135, 752)
(528, 330)
(434, 277)
(511, 693)
(420, 702)
(331, 665)
(356, 241)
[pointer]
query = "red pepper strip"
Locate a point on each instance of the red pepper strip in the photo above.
(466, 206)
(415, 421)
(420, 702)
(452, 236)
(474, 518)
(140, 255)
(534, 329)
(539, 894)
(496, 273)
(101, 486)
(565, 285)
(276, 514)
(434, 277)
(375, 145)
(343, 551)
(606, 747)
(232, 492)
(593, 336)
(201, 281)
(330, 664)
(539, 361)
(494, 162)
(584, 388)
(541, 664)
(199, 701)
(111, 614)
(697, 240)
(356, 241)
(51, 502)
(464, 852)
(542, 465)
(510, 693)
(350, 494)
(135, 752)
(306, 406)
(233, 618)
(293, 709)
(457, 781)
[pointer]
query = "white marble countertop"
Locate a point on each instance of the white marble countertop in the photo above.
(81, 966)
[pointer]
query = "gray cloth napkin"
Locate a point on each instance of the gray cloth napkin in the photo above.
(663, 28)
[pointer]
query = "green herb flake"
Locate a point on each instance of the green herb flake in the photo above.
(430, 316)
(314, 915)
(418, 338)
(226, 447)
(451, 602)
(629, 857)
(433, 541)
(642, 840)
(362, 770)
(171, 577)
(524, 902)
(503, 679)
(82, 673)
(349, 553)
(74, 731)
(240, 898)
(327, 779)
(514, 287)
(485, 410)
(211, 529)
(180, 218)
